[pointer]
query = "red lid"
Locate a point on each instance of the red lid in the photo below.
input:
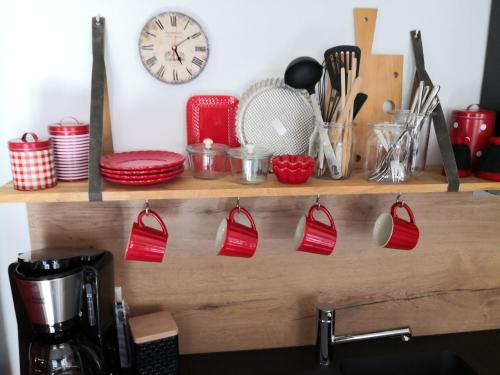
(473, 111)
(26, 144)
(74, 127)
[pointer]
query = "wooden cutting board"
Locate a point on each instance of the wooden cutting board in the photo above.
(382, 78)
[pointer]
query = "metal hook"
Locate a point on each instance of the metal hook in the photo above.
(317, 202)
(98, 19)
(416, 34)
(398, 200)
(147, 207)
(238, 204)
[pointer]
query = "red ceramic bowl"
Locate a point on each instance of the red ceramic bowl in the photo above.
(293, 161)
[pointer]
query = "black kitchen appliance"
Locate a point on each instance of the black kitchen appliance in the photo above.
(64, 302)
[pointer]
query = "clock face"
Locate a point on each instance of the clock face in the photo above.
(173, 47)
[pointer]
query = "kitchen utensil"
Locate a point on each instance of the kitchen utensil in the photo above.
(359, 101)
(142, 160)
(208, 160)
(275, 117)
(235, 239)
(382, 78)
(304, 73)
(293, 169)
(145, 243)
(334, 61)
(249, 164)
(156, 343)
(313, 236)
(212, 116)
(488, 166)
(32, 163)
(381, 139)
(417, 116)
(153, 180)
(392, 232)
(476, 123)
(342, 140)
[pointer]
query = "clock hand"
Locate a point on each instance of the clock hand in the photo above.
(178, 57)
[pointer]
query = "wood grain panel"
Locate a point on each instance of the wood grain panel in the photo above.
(449, 283)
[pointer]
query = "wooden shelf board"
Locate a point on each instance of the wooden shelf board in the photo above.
(186, 187)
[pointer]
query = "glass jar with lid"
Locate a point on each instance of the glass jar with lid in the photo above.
(249, 164)
(208, 160)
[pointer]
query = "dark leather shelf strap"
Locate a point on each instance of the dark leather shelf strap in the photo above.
(442, 133)
(96, 108)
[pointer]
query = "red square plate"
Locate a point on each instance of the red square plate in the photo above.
(212, 116)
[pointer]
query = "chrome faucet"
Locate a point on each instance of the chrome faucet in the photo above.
(326, 335)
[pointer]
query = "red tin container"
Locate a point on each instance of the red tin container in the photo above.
(32, 163)
(474, 123)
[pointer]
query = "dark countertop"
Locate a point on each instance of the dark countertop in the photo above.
(481, 350)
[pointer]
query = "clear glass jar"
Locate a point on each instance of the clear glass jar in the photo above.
(387, 153)
(249, 164)
(208, 159)
(420, 129)
(343, 143)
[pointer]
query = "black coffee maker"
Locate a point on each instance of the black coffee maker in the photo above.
(64, 302)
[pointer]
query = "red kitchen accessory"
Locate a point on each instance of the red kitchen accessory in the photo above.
(145, 243)
(313, 236)
(32, 163)
(293, 169)
(72, 128)
(461, 150)
(477, 124)
(392, 232)
(212, 116)
(70, 142)
(488, 166)
(151, 180)
(142, 160)
(235, 239)
(119, 176)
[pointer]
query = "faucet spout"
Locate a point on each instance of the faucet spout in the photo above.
(326, 337)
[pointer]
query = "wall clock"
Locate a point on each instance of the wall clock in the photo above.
(173, 47)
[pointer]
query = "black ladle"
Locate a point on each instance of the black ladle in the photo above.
(304, 73)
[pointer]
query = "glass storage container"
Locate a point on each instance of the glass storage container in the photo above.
(208, 160)
(387, 153)
(343, 142)
(249, 164)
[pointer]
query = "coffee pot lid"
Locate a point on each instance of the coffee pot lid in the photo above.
(57, 259)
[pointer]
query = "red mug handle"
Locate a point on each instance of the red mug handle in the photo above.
(235, 210)
(315, 208)
(24, 138)
(156, 216)
(396, 205)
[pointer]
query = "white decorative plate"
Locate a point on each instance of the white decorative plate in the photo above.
(276, 117)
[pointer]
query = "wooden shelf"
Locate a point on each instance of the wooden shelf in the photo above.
(186, 187)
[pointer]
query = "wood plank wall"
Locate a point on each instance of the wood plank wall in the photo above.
(449, 283)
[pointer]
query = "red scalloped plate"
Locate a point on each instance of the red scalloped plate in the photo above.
(143, 182)
(142, 160)
(212, 116)
(128, 177)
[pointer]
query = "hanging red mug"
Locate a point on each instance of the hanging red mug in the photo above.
(392, 232)
(236, 239)
(313, 236)
(145, 243)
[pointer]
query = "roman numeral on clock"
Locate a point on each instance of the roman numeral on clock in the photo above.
(161, 72)
(151, 34)
(175, 77)
(198, 62)
(147, 47)
(196, 35)
(189, 72)
(151, 61)
(200, 49)
(159, 24)
(173, 20)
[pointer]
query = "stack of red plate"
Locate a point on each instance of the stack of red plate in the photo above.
(70, 143)
(138, 168)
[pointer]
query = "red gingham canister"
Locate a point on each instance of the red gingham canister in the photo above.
(32, 163)
(475, 123)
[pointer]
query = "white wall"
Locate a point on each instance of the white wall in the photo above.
(46, 64)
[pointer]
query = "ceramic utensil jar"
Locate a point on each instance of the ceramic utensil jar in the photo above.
(208, 160)
(32, 163)
(249, 164)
